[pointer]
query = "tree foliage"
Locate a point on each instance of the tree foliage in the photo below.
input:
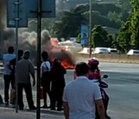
(128, 37)
(104, 9)
(100, 37)
(69, 22)
(124, 4)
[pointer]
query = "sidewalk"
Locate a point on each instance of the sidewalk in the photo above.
(10, 113)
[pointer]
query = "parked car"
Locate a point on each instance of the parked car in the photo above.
(101, 50)
(133, 52)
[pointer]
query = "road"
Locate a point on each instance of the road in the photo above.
(123, 88)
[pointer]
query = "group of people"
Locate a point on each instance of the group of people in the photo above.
(52, 81)
(18, 68)
(83, 97)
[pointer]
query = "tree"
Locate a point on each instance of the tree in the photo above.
(113, 16)
(69, 24)
(128, 37)
(124, 4)
(135, 24)
(123, 38)
(100, 37)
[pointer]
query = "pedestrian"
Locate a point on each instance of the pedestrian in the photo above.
(24, 68)
(58, 84)
(8, 76)
(12, 64)
(45, 78)
(81, 95)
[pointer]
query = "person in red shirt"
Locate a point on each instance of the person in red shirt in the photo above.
(94, 74)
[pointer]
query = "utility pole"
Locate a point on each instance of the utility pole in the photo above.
(90, 27)
(17, 19)
(39, 16)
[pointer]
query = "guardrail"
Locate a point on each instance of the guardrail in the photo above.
(111, 57)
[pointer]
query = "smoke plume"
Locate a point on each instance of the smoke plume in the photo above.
(28, 40)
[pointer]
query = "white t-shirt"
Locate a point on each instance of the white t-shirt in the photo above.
(45, 66)
(81, 95)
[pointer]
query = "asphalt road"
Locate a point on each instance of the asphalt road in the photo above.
(123, 90)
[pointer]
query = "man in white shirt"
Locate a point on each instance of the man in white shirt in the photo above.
(45, 78)
(81, 96)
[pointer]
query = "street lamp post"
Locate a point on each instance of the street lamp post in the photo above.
(90, 27)
(39, 16)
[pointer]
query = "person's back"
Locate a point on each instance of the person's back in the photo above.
(8, 76)
(45, 77)
(23, 70)
(81, 96)
(58, 84)
(6, 59)
(59, 71)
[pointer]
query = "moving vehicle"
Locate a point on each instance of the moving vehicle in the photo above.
(133, 52)
(105, 96)
(101, 50)
(113, 51)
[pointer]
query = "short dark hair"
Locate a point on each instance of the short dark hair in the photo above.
(10, 49)
(20, 54)
(81, 68)
(44, 55)
(26, 54)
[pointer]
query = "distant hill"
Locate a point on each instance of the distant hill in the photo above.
(72, 3)
(110, 30)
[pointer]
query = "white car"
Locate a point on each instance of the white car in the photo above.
(133, 52)
(86, 50)
(113, 51)
(101, 50)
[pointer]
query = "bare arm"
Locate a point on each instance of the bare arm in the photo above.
(66, 110)
(100, 108)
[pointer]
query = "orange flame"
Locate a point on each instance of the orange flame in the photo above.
(67, 65)
(60, 52)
